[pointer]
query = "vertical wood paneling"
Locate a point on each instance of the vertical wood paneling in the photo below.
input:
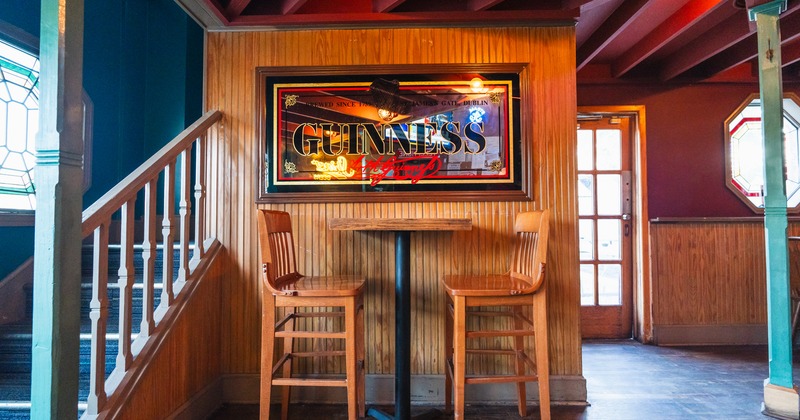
(163, 388)
(547, 84)
(712, 273)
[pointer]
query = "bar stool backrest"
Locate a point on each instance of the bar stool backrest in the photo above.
(278, 259)
(531, 231)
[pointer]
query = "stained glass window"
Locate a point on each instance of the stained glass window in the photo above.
(745, 153)
(19, 123)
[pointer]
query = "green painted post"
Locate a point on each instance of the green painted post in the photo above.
(775, 222)
(59, 174)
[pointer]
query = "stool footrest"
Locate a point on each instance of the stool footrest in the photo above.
(310, 334)
(499, 333)
(308, 382)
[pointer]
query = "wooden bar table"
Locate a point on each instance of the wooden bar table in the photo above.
(402, 228)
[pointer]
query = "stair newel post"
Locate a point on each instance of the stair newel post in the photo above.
(55, 345)
(98, 314)
(148, 258)
(167, 236)
(199, 199)
(185, 213)
(125, 286)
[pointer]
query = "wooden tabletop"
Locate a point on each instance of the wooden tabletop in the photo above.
(398, 224)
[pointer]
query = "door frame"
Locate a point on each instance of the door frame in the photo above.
(640, 253)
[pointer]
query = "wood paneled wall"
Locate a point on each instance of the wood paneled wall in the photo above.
(549, 86)
(712, 273)
(187, 359)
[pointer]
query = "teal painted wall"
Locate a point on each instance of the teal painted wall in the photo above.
(16, 246)
(23, 14)
(143, 63)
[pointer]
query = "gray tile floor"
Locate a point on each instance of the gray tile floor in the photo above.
(629, 381)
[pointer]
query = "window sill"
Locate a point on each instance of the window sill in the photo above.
(17, 218)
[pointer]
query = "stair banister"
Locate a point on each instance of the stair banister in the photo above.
(96, 221)
(111, 201)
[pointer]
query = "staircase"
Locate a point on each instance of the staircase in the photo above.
(15, 339)
(178, 170)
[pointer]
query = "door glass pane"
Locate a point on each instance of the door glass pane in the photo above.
(586, 232)
(585, 195)
(585, 150)
(609, 235)
(609, 145)
(587, 284)
(609, 284)
(609, 195)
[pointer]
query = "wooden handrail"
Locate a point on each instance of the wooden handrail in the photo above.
(131, 184)
(96, 221)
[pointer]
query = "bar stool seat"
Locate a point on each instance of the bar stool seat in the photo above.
(521, 294)
(285, 288)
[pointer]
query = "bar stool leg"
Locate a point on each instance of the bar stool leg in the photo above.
(288, 348)
(519, 363)
(351, 359)
(267, 351)
(542, 351)
(448, 355)
(459, 354)
(361, 358)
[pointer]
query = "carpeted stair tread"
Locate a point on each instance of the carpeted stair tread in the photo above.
(16, 338)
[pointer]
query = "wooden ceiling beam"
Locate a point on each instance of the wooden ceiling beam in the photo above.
(721, 37)
(609, 30)
(383, 6)
(790, 53)
(747, 49)
(688, 16)
(369, 20)
(744, 51)
(717, 39)
(575, 4)
(289, 7)
(478, 5)
(235, 9)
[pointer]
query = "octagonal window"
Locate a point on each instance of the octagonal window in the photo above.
(19, 123)
(745, 152)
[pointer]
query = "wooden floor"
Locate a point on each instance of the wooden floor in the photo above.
(629, 381)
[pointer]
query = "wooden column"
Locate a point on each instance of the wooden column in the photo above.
(779, 396)
(59, 174)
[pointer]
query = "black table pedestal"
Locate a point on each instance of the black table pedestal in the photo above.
(402, 338)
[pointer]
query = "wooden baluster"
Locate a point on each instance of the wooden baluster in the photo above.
(125, 285)
(98, 313)
(185, 212)
(199, 199)
(148, 257)
(166, 232)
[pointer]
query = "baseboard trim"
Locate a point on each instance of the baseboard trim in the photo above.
(202, 405)
(425, 390)
(685, 335)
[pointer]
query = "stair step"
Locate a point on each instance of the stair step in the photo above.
(15, 410)
(16, 339)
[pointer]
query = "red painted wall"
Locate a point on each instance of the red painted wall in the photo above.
(685, 143)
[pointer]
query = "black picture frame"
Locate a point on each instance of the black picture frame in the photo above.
(468, 115)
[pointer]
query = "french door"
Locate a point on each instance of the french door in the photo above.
(605, 226)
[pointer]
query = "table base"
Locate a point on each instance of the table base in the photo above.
(430, 414)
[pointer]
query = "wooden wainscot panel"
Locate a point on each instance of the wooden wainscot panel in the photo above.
(186, 362)
(709, 280)
(547, 82)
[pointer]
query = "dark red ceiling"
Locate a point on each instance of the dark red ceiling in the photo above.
(616, 39)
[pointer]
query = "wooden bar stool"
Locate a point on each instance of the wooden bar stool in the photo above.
(284, 287)
(521, 287)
